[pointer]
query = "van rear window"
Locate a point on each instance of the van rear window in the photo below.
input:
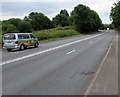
(9, 37)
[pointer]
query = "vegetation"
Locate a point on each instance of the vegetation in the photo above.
(105, 26)
(64, 12)
(61, 19)
(84, 19)
(15, 25)
(6, 28)
(24, 26)
(0, 28)
(39, 21)
(115, 15)
(55, 33)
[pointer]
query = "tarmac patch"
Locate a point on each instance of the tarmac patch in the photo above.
(86, 73)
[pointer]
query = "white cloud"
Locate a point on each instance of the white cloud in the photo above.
(8, 17)
(103, 8)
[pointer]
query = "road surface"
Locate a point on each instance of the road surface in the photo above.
(63, 67)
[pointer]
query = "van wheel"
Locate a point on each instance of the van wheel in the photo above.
(36, 44)
(22, 47)
(9, 50)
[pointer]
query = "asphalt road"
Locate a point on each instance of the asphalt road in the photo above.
(63, 67)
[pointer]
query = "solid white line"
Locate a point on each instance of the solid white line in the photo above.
(51, 49)
(96, 75)
(70, 52)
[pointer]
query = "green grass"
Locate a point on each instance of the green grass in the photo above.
(55, 33)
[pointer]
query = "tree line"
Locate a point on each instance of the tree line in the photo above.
(115, 15)
(82, 18)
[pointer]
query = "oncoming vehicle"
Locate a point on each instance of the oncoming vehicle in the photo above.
(19, 41)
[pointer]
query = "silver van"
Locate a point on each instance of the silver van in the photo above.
(19, 41)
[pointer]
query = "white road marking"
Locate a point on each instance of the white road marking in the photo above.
(51, 49)
(16, 52)
(96, 75)
(91, 42)
(70, 52)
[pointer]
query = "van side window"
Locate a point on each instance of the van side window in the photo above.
(23, 36)
(33, 37)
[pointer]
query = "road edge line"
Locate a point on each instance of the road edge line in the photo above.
(96, 75)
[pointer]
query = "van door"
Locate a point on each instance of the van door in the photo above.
(32, 40)
(24, 39)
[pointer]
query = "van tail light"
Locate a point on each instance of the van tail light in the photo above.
(16, 42)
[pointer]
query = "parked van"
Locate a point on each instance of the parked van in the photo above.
(19, 41)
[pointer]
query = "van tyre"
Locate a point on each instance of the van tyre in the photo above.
(9, 50)
(22, 47)
(36, 45)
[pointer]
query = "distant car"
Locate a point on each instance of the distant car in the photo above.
(19, 41)
(108, 28)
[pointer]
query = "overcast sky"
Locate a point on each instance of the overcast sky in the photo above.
(19, 9)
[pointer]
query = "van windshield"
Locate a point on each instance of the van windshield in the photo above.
(9, 36)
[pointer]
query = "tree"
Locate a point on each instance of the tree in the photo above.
(6, 28)
(111, 26)
(24, 26)
(96, 21)
(10, 25)
(14, 21)
(84, 19)
(16, 25)
(105, 26)
(39, 21)
(0, 27)
(115, 15)
(64, 12)
(61, 20)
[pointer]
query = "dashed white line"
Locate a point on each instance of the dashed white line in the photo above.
(51, 49)
(99, 38)
(91, 42)
(70, 52)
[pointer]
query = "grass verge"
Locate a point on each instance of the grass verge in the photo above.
(55, 33)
